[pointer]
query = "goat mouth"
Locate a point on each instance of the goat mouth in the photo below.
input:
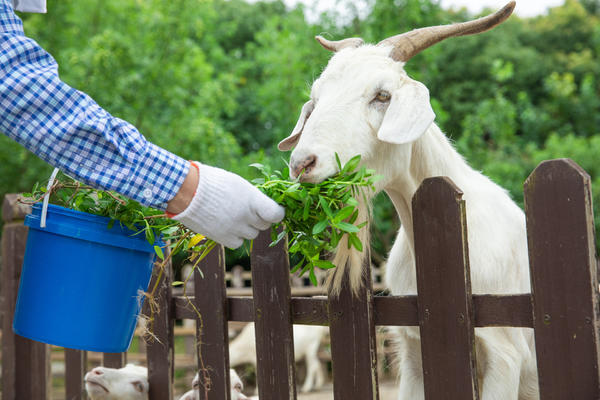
(93, 382)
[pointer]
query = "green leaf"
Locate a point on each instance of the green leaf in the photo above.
(320, 227)
(149, 235)
(323, 264)
(347, 227)
(355, 241)
(170, 231)
(297, 267)
(338, 162)
(159, 252)
(335, 238)
(352, 202)
(343, 214)
(176, 283)
(325, 206)
(351, 164)
(313, 277)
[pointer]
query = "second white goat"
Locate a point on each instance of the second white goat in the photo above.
(307, 339)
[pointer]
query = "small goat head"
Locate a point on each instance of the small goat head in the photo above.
(127, 383)
(364, 100)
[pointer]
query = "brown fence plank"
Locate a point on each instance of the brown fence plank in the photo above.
(507, 310)
(160, 351)
(564, 280)
(275, 370)
(211, 326)
(353, 344)
(114, 360)
(443, 285)
(25, 363)
(75, 369)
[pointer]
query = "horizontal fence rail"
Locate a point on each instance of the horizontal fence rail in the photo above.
(562, 309)
(489, 310)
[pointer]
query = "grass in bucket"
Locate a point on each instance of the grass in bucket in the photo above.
(317, 217)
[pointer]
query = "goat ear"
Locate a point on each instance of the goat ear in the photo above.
(408, 116)
(289, 142)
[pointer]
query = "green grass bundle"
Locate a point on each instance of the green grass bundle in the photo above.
(317, 215)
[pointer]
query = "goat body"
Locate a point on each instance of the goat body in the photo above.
(307, 339)
(365, 103)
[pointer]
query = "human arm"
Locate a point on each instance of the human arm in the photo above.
(70, 131)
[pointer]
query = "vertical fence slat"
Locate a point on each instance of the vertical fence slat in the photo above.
(273, 319)
(212, 350)
(114, 360)
(444, 288)
(75, 369)
(25, 363)
(160, 351)
(564, 280)
(353, 343)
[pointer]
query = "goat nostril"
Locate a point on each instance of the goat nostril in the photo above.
(97, 371)
(305, 165)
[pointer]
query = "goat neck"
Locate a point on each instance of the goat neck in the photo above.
(430, 155)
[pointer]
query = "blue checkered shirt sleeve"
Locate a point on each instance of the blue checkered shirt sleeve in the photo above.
(69, 130)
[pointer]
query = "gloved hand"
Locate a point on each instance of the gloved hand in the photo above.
(227, 208)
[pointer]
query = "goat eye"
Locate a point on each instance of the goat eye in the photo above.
(383, 96)
(138, 386)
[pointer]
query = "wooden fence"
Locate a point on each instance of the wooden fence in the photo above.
(563, 309)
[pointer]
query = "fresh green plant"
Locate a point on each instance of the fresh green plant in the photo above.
(317, 215)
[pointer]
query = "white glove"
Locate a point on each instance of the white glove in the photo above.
(227, 208)
(32, 6)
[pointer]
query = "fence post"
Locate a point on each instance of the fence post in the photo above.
(560, 230)
(25, 363)
(273, 319)
(114, 360)
(160, 350)
(353, 342)
(444, 291)
(75, 369)
(212, 348)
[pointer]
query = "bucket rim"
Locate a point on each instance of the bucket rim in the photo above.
(89, 227)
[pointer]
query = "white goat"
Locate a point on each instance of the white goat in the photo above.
(131, 383)
(364, 102)
(236, 388)
(127, 383)
(307, 339)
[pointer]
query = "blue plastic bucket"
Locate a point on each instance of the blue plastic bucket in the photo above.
(81, 282)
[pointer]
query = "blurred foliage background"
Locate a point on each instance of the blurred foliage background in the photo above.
(222, 81)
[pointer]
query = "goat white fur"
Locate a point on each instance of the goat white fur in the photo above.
(307, 339)
(236, 388)
(365, 103)
(127, 383)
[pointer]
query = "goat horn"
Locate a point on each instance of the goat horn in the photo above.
(337, 45)
(408, 44)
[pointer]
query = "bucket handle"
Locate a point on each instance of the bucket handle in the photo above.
(47, 198)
